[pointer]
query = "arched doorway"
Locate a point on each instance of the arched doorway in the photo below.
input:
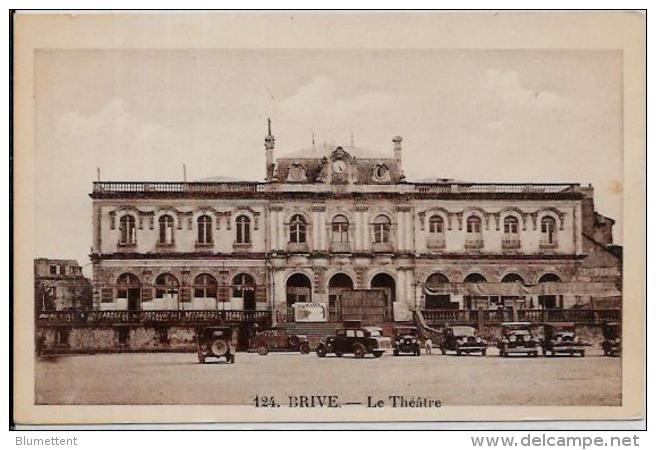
(128, 292)
(385, 282)
(435, 295)
(550, 301)
(512, 301)
(243, 287)
(299, 290)
(476, 301)
(338, 283)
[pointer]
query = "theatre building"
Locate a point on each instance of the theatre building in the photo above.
(333, 227)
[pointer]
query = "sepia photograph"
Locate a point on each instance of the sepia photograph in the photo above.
(313, 228)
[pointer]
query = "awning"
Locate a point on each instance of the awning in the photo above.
(594, 289)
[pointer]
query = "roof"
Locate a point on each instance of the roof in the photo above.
(319, 151)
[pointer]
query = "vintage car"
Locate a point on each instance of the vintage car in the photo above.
(215, 342)
(357, 340)
(406, 340)
(517, 338)
(279, 340)
(561, 338)
(612, 344)
(462, 339)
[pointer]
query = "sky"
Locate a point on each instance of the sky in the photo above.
(473, 115)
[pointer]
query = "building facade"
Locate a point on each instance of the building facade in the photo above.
(60, 285)
(333, 219)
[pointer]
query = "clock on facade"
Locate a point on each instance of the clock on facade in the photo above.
(339, 166)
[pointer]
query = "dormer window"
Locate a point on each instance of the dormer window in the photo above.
(381, 173)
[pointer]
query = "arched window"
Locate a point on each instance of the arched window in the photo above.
(242, 283)
(510, 226)
(166, 286)
(382, 227)
(126, 282)
(243, 230)
(166, 229)
(340, 227)
(128, 230)
(473, 225)
(436, 226)
(548, 229)
(297, 229)
(204, 229)
(205, 286)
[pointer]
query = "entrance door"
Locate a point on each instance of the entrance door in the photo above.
(249, 300)
(298, 289)
(134, 296)
(387, 284)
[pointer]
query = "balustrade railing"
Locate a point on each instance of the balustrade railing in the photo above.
(497, 316)
(496, 188)
(175, 187)
(161, 316)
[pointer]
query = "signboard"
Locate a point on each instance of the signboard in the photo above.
(310, 312)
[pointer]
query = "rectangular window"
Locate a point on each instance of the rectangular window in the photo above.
(53, 270)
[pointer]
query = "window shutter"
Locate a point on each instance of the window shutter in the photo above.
(224, 293)
(185, 294)
(260, 293)
(146, 294)
(107, 295)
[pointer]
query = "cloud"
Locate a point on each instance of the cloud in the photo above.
(505, 85)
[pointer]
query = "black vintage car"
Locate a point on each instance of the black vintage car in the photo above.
(462, 339)
(278, 339)
(517, 338)
(215, 342)
(612, 344)
(561, 338)
(406, 341)
(357, 340)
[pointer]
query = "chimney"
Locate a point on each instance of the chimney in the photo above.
(269, 142)
(397, 148)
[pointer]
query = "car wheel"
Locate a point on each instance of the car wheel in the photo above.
(534, 354)
(606, 352)
(305, 348)
(339, 354)
(262, 350)
(359, 351)
(417, 351)
(396, 352)
(582, 353)
(378, 354)
(321, 351)
(201, 359)
(443, 350)
(483, 352)
(219, 347)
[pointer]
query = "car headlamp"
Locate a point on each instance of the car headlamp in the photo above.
(513, 338)
(478, 340)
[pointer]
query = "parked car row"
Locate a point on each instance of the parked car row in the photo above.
(517, 338)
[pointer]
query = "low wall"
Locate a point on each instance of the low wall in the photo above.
(118, 339)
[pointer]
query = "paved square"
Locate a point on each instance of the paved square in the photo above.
(177, 378)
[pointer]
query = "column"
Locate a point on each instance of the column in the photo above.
(281, 230)
(322, 225)
(399, 230)
(366, 240)
(356, 230)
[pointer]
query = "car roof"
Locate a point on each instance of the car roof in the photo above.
(516, 324)
(372, 328)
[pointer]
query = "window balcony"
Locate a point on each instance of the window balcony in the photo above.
(126, 246)
(435, 243)
(382, 247)
(242, 246)
(204, 246)
(298, 247)
(547, 245)
(509, 243)
(340, 247)
(473, 243)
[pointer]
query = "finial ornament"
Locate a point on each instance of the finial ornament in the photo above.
(269, 124)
